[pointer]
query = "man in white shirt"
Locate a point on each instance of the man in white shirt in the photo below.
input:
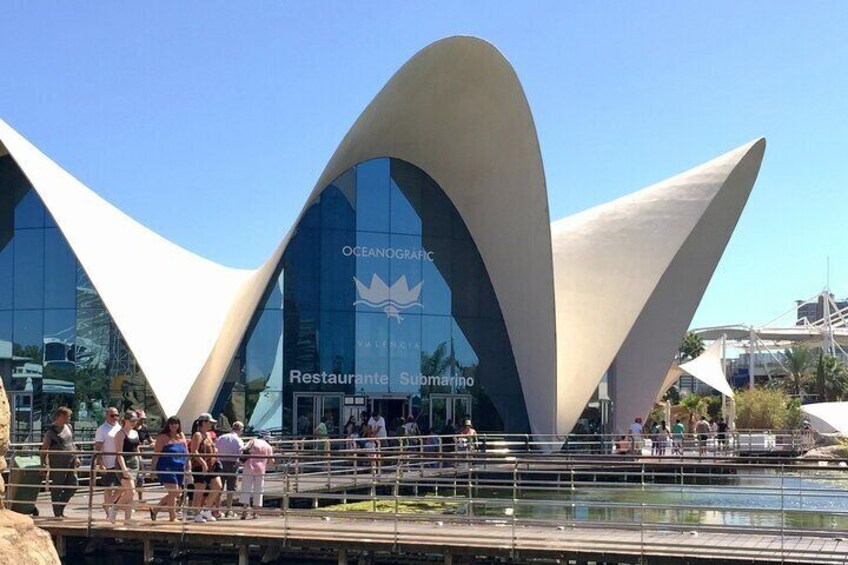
(377, 432)
(230, 447)
(105, 448)
(377, 425)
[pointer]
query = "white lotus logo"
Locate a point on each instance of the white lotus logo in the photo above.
(392, 299)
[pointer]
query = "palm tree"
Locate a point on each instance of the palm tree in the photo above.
(691, 346)
(831, 378)
(798, 361)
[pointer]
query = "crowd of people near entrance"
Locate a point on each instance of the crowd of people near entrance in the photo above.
(206, 470)
(672, 440)
(199, 470)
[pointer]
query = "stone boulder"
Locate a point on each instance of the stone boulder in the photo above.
(21, 543)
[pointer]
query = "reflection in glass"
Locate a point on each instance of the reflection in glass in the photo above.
(29, 269)
(264, 353)
(372, 196)
(6, 274)
(60, 271)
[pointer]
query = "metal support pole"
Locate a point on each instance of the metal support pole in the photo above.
(149, 554)
(244, 554)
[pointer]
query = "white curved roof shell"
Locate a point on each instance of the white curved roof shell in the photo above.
(457, 111)
(169, 303)
(629, 275)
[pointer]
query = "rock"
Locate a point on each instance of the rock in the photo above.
(21, 543)
(834, 452)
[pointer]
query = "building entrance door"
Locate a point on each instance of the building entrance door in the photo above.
(391, 408)
(311, 408)
(444, 408)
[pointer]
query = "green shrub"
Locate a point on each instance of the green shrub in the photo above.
(765, 408)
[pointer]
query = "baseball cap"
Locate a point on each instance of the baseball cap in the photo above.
(206, 417)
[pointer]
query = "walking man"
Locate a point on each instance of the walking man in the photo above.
(104, 446)
(702, 428)
(58, 455)
(230, 447)
(677, 432)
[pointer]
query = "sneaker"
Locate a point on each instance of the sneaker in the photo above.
(208, 516)
(113, 514)
(129, 523)
(199, 518)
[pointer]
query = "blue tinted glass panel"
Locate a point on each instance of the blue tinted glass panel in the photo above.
(6, 347)
(436, 274)
(29, 268)
(6, 272)
(338, 267)
(338, 332)
(301, 290)
(436, 345)
(300, 342)
(28, 339)
(405, 198)
(49, 222)
(29, 213)
(338, 203)
(372, 271)
(372, 196)
(405, 353)
(264, 410)
(372, 350)
(274, 299)
(60, 271)
(437, 212)
(405, 273)
(59, 340)
(264, 353)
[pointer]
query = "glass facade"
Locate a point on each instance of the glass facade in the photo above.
(381, 301)
(58, 344)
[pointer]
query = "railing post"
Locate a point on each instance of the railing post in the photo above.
(286, 500)
(92, 478)
(514, 504)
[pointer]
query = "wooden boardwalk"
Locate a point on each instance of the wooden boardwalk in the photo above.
(343, 537)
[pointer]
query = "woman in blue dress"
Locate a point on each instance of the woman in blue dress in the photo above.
(170, 461)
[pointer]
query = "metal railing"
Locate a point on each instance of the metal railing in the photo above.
(527, 484)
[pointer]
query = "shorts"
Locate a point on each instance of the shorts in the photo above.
(228, 475)
(171, 477)
(111, 478)
(206, 478)
(703, 437)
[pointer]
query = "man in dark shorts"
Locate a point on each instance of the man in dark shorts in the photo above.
(58, 454)
(702, 428)
(230, 447)
(721, 436)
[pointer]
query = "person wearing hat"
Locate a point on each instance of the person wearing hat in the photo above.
(259, 453)
(467, 434)
(205, 469)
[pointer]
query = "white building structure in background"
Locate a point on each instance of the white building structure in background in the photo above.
(607, 291)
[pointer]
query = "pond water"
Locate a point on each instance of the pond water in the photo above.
(810, 500)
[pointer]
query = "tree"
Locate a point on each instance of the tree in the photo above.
(831, 379)
(691, 346)
(763, 408)
(798, 361)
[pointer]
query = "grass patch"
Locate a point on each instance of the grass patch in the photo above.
(423, 505)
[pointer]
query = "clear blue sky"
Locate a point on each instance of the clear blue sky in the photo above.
(210, 121)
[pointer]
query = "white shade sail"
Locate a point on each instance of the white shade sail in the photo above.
(708, 368)
(828, 417)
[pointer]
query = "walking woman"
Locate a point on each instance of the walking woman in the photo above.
(170, 461)
(128, 463)
(205, 470)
